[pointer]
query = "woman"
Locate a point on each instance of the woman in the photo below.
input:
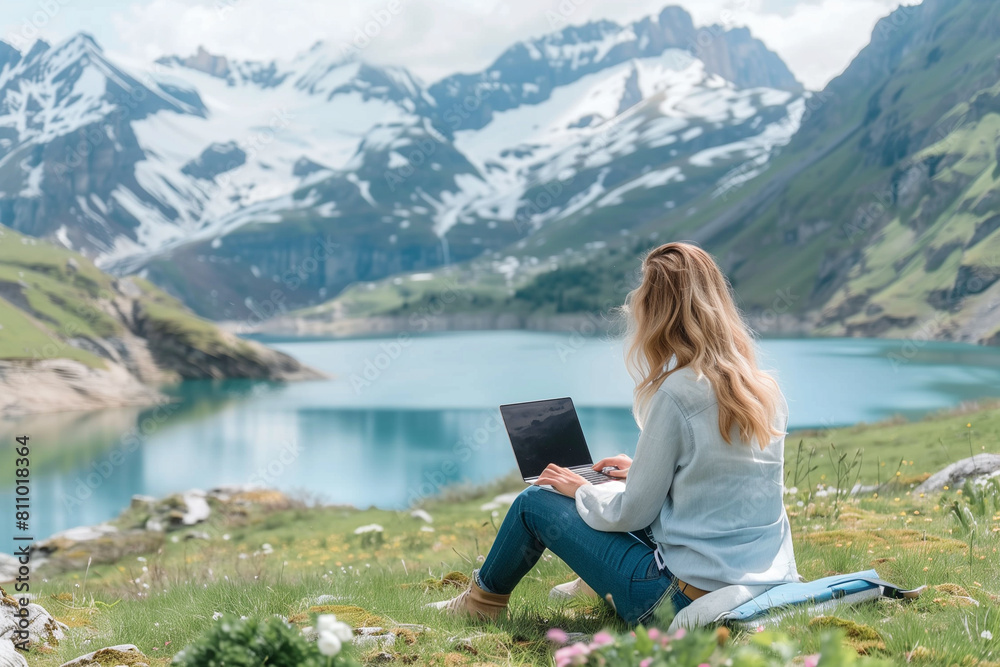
(704, 492)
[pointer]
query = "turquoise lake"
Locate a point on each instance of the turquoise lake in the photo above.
(399, 420)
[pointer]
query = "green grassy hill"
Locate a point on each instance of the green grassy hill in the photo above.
(55, 304)
(163, 598)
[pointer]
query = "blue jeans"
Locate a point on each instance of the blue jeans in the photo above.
(621, 564)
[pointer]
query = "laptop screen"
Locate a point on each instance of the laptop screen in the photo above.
(544, 432)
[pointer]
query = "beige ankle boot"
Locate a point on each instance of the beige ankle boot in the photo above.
(475, 602)
(576, 588)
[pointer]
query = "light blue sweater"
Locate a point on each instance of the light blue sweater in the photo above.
(716, 510)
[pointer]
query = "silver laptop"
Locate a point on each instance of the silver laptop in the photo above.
(544, 432)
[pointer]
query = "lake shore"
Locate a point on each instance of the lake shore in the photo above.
(380, 325)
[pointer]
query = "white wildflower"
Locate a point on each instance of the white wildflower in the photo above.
(328, 644)
(986, 634)
(370, 528)
(423, 515)
(329, 623)
(426, 529)
(216, 616)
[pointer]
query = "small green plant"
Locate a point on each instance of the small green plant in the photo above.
(237, 642)
(848, 472)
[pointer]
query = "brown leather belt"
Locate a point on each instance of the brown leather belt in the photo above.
(690, 591)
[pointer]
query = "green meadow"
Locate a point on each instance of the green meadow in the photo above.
(279, 563)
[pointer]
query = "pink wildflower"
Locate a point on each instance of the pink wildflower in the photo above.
(602, 639)
(811, 660)
(575, 654)
(557, 636)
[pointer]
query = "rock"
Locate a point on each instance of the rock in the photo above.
(367, 641)
(8, 567)
(128, 654)
(145, 525)
(197, 509)
(10, 657)
(104, 543)
(978, 466)
(52, 385)
(42, 627)
(141, 502)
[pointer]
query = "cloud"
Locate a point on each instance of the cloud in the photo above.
(817, 38)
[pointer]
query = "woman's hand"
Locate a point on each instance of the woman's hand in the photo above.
(622, 462)
(563, 480)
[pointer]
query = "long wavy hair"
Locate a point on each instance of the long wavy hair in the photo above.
(683, 309)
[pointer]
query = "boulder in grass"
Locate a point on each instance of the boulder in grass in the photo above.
(9, 568)
(9, 656)
(43, 629)
(122, 654)
(954, 476)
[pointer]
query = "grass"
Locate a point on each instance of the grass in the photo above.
(163, 600)
(51, 299)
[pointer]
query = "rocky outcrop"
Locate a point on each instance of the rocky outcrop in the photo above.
(62, 384)
(144, 526)
(122, 654)
(955, 475)
(215, 160)
(42, 628)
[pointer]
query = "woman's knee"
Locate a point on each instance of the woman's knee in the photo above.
(537, 497)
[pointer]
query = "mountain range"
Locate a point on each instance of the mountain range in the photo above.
(879, 217)
(334, 188)
(236, 185)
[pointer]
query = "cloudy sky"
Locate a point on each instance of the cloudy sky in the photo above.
(817, 38)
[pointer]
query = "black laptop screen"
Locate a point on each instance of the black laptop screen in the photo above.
(544, 432)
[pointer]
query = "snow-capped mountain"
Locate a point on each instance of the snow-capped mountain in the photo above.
(222, 179)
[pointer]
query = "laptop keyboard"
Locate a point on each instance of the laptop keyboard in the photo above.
(592, 475)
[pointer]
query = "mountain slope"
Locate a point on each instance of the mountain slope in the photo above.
(881, 217)
(72, 337)
(881, 213)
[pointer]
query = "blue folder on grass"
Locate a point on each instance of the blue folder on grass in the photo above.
(818, 596)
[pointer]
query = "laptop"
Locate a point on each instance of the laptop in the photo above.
(544, 432)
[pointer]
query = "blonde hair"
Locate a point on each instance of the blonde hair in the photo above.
(684, 309)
